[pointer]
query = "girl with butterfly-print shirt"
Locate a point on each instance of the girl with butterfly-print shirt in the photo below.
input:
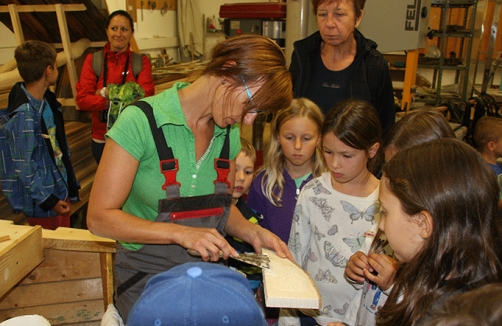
(376, 271)
(334, 211)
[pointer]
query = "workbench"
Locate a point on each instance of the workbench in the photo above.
(64, 275)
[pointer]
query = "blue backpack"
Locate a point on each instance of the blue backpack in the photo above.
(6, 166)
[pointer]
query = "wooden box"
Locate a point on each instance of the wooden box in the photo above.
(72, 286)
(20, 251)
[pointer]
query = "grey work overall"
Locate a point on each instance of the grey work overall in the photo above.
(133, 269)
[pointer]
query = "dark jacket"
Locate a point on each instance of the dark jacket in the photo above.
(370, 81)
(37, 185)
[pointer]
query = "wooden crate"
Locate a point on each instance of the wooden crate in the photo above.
(72, 286)
(20, 251)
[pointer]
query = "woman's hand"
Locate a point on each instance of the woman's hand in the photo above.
(209, 243)
(265, 238)
(385, 268)
(354, 270)
(254, 234)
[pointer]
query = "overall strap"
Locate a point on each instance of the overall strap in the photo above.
(222, 167)
(168, 164)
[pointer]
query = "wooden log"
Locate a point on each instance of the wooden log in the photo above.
(9, 66)
(8, 79)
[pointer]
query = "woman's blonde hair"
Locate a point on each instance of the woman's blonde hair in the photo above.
(272, 183)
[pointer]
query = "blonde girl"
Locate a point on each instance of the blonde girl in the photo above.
(292, 159)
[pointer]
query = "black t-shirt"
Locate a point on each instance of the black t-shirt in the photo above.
(327, 87)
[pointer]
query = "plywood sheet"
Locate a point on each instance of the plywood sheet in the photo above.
(287, 285)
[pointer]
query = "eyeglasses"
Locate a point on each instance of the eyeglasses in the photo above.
(250, 97)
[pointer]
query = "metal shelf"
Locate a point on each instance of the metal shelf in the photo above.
(453, 3)
(464, 32)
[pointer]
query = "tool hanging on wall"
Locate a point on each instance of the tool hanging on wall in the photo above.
(141, 2)
(163, 10)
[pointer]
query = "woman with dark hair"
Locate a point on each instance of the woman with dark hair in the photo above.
(338, 62)
(115, 68)
(158, 211)
(439, 213)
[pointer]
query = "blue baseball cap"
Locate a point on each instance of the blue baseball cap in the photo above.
(197, 293)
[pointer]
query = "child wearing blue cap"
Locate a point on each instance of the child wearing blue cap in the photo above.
(197, 293)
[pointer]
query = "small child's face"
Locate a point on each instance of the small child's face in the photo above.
(346, 164)
(401, 229)
(299, 138)
(497, 148)
(243, 175)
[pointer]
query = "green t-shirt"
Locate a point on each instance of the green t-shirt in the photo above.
(132, 132)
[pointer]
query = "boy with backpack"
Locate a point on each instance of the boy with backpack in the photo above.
(37, 175)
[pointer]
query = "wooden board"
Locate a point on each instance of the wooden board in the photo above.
(25, 241)
(287, 285)
(76, 240)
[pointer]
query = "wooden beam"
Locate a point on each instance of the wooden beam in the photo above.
(76, 240)
(16, 24)
(65, 38)
(410, 76)
(44, 8)
(106, 260)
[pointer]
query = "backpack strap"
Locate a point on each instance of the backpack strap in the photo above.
(98, 59)
(97, 62)
(137, 64)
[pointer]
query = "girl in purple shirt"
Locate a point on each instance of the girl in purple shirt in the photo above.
(293, 158)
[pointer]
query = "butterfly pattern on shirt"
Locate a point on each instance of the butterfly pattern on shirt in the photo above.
(334, 256)
(297, 213)
(317, 187)
(294, 243)
(354, 242)
(325, 276)
(355, 214)
(343, 310)
(310, 256)
(322, 205)
(318, 234)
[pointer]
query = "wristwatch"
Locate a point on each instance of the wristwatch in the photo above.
(103, 92)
